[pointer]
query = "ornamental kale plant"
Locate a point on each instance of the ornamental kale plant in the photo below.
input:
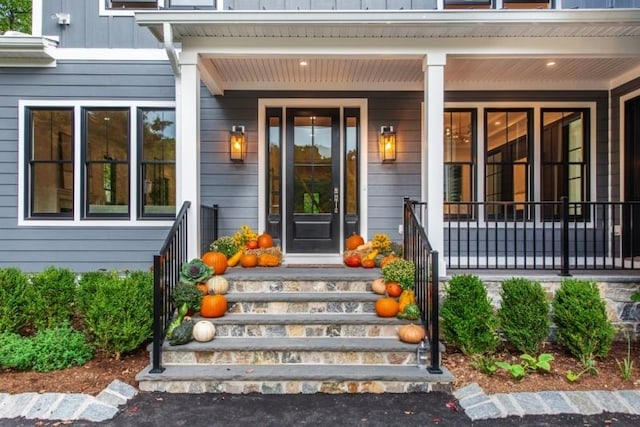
(195, 271)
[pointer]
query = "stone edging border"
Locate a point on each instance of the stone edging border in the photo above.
(64, 406)
(481, 406)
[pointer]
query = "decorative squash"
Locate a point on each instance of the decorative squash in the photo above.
(183, 333)
(352, 261)
(217, 285)
(203, 331)
(248, 260)
(213, 306)
(411, 334)
(378, 286)
(215, 260)
(354, 241)
(268, 260)
(265, 240)
(252, 244)
(386, 307)
(235, 259)
(202, 287)
(368, 263)
(394, 289)
(407, 297)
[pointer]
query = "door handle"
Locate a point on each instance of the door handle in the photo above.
(336, 200)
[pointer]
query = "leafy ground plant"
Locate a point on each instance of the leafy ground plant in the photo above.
(626, 365)
(528, 364)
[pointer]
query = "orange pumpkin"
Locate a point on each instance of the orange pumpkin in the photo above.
(249, 260)
(265, 240)
(213, 306)
(216, 260)
(268, 260)
(386, 307)
(394, 289)
(386, 260)
(368, 263)
(354, 241)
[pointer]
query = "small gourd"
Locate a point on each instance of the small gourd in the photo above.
(407, 297)
(378, 286)
(411, 334)
(203, 331)
(218, 285)
(183, 333)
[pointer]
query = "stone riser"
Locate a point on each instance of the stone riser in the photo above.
(300, 331)
(279, 307)
(293, 387)
(298, 286)
(279, 357)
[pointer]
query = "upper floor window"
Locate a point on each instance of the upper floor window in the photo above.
(120, 175)
(132, 4)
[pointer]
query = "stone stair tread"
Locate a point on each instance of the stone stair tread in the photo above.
(337, 296)
(334, 273)
(295, 373)
(362, 344)
(323, 318)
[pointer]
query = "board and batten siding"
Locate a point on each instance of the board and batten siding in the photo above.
(234, 186)
(86, 248)
(90, 30)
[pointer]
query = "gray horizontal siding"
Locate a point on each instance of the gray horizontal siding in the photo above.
(90, 30)
(84, 248)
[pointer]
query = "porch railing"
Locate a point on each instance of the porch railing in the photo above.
(166, 271)
(208, 226)
(418, 249)
(561, 236)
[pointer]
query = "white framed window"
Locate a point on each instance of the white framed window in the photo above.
(96, 163)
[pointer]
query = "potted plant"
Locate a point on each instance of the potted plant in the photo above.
(401, 271)
(189, 294)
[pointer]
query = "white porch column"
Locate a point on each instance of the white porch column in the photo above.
(188, 148)
(433, 150)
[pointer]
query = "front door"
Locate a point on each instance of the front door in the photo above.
(313, 180)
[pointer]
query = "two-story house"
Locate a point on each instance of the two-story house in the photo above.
(311, 119)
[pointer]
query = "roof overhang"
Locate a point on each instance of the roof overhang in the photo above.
(492, 49)
(23, 50)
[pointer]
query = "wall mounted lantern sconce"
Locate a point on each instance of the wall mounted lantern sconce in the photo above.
(237, 144)
(387, 144)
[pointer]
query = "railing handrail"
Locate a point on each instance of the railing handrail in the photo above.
(176, 223)
(418, 249)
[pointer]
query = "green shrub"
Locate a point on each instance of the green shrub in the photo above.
(59, 348)
(117, 309)
(14, 287)
(16, 352)
(48, 350)
(468, 319)
(583, 326)
(53, 295)
(524, 314)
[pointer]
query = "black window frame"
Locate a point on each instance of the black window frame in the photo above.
(473, 165)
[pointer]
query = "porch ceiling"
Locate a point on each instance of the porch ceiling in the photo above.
(384, 50)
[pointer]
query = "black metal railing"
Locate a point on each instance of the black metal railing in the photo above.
(166, 271)
(561, 235)
(418, 249)
(208, 226)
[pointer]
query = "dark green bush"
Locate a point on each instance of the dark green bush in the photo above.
(14, 288)
(117, 309)
(468, 319)
(52, 297)
(583, 326)
(524, 314)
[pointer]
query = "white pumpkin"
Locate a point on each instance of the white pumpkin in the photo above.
(203, 331)
(218, 285)
(378, 286)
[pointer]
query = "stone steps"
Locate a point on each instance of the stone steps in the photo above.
(297, 331)
(269, 351)
(287, 379)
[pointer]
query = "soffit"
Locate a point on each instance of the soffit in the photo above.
(22, 50)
